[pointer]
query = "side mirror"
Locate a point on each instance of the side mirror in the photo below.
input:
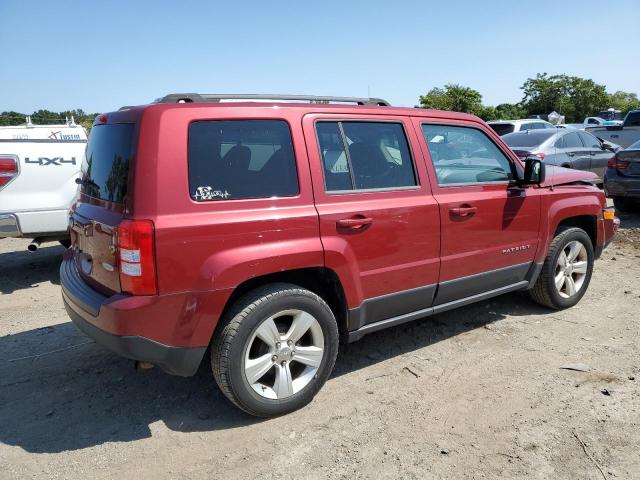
(534, 171)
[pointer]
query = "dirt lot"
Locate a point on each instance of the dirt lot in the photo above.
(474, 393)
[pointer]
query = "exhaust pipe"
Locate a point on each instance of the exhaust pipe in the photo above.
(141, 366)
(34, 245)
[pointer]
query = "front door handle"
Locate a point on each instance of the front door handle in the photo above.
(592, 154)
(354, 223)
(463, 211)
(571, 154)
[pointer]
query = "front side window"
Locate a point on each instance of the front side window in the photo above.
(463, 155)
(235, 159)
(571, 140)
(364, 155)
(589, 140)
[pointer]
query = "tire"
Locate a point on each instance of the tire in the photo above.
(545, 292)
(625, 205)
(246, 346)
(66, 243)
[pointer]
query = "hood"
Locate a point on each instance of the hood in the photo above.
(559, 175)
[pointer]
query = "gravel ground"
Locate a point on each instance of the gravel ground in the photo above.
(474, 393)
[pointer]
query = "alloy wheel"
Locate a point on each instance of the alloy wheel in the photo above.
(283, 354)
(571, 269)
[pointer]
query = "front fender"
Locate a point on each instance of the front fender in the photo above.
(565, 202)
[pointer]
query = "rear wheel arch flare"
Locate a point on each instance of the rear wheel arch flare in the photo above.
(322, 281)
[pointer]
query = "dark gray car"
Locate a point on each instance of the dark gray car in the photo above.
(563, 147)
(622, 180)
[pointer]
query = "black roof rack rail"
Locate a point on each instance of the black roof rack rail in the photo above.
(214, 97)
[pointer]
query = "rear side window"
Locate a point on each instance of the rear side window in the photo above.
(105, 173)
(502, 128)
(235, 159)
(365, 155)
(464, 155)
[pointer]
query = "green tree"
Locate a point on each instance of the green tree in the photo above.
(573, 97)
(12, 118)
(623, 101)
(509, 111)
(455, 98)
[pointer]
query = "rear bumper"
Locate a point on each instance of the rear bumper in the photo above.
(9, 226)
(616, 185)
(36, 223)
(108, 319)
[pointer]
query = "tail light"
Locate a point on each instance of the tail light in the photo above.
(8, 170)
(617, 163)
(136, 257)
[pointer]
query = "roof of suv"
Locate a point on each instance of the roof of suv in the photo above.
(313, 104)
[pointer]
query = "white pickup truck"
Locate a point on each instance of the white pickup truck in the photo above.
(624, 135)
(39, 165)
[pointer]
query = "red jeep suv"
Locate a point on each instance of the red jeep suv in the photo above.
(268, 231)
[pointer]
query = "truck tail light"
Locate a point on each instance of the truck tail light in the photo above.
(617, 163)
(8, 170)
(136, 257)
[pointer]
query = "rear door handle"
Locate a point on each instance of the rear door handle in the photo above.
(463, 211)
(592, 153)
(571, 154)
(354, 223)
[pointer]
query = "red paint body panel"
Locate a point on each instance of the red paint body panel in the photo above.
(205, 250)
(400, 249)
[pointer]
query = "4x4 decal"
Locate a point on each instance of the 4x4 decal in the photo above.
(44, 161)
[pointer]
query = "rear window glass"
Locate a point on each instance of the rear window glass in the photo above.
(365, 155)
(530, 139)
(633, 119)
(105, 173)
(235, 159)
(502, 128)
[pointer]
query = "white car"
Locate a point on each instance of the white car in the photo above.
(39, 165)
(502, 127)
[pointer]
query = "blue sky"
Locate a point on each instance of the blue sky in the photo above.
(99, 56)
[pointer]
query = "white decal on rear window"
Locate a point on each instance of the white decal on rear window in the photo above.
(208, 193)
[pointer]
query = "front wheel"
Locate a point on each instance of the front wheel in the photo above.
(275, 349)
(567, 270)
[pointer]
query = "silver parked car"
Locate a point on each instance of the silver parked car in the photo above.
(503, 127)
(563, 147)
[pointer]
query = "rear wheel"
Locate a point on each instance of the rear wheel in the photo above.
(567, 270)
(275, 349)
(66, 243)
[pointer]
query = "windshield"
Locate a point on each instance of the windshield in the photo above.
(528, 139)
(105, 173)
